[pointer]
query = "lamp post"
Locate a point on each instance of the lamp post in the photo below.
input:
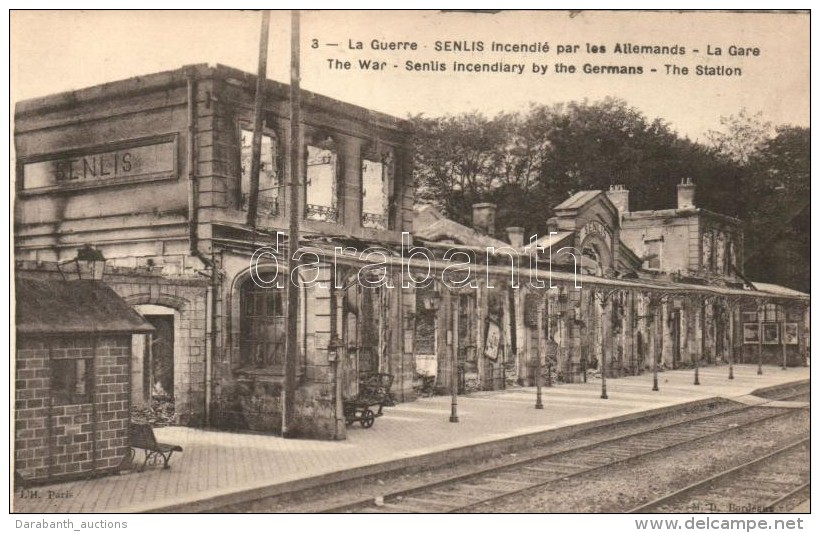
(539, 404)
(760, 308)
(604, 298)
(702, 339)
(584, 349)
(783, 334)
(604, 395)
(729, 309)
(655, 350)
(649, 317)
(560, 315)
(432, 302)
(454, 365)
(335, 349)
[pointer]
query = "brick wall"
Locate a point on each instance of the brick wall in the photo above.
(59, 441)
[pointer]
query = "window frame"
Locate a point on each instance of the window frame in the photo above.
(654, 241)
(63, 396)
(254, 302)
(333, 214)
(385, 157)
(278, 166)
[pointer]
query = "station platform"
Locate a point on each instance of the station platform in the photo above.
(218, 468)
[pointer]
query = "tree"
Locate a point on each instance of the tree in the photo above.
(457, 158)
(595, 145)
(741, 137)
(777, 191)
(528, 163)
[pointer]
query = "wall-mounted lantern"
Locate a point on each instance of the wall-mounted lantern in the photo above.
(88, 265)
(334, 348)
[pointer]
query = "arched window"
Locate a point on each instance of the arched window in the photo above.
(262, 325)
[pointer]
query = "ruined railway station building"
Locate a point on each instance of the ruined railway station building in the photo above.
(154, 173)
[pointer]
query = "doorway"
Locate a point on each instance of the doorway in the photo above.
(159, 367)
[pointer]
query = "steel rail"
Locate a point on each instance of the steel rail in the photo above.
(419, 489)
(717, 477)
(798, 490)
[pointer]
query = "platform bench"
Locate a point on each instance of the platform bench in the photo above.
(142, 436)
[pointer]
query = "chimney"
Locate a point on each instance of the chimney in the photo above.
(686, 194)
(484, 218)
(515, 235)
(619, 196)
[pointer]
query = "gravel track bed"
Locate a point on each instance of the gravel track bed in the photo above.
(623, 487)
(760, 485)
(338, 494)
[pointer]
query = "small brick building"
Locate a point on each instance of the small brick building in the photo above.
(72, 372)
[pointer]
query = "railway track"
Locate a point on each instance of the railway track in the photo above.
(796, 392)
(797, 397)
(775, 482)
(470, 491)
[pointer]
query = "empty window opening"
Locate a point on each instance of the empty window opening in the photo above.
(320, 183)
(374, 194)
(269, 173)
(652, 254)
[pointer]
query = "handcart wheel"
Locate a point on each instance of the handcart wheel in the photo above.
(368, 418)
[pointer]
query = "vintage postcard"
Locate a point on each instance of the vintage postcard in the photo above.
(422, 261)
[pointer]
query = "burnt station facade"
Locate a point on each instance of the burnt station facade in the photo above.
(154, 173)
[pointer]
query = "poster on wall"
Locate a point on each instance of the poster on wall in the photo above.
(790, 333)
(751, 333)
(426, 365)
(493, 341)
(771, 334)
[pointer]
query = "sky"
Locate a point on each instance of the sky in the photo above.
(53, 51)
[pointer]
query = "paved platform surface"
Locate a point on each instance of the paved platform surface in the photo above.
(216, 463)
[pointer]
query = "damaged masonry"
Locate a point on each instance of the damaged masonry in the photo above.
(153, 172)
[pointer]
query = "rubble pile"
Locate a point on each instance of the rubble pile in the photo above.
(159, 414)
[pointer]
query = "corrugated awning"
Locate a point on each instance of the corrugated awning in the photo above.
(83, 306)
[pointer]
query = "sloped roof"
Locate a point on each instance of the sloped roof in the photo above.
(549, 240)
(430, 225)
(777, 289)
(577, 200)
(82, 306)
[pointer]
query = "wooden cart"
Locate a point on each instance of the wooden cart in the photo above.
(374, 395)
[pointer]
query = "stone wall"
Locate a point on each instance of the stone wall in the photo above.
(188, 298)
